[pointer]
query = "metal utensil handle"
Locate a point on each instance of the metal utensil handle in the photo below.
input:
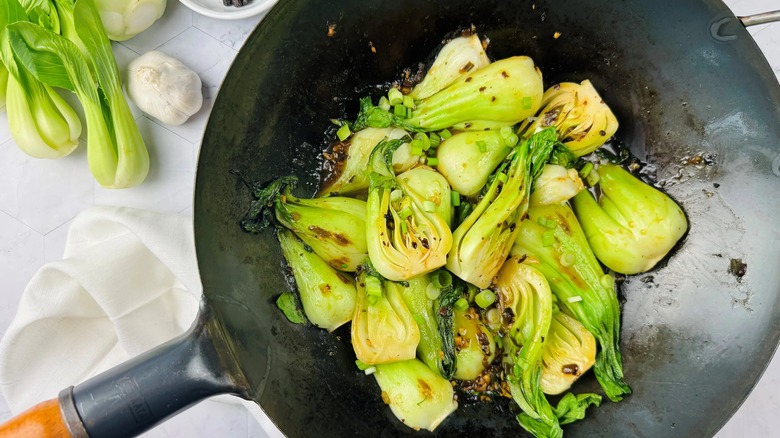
(766, 17)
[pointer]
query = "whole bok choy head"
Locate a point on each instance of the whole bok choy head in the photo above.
(501, 94)
(408, 217)
(458, 57)
(327, 295)
(78, 61)
(417, 396)
(483, 240)
(350, 160)
(581, 118)
(42, 124)
(633, 226)
(383, 327)
(334, 227)
(552, 241)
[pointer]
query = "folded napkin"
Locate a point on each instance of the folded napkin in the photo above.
(128, 281)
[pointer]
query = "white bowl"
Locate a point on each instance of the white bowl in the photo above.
(215, 8)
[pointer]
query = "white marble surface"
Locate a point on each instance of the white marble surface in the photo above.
(38, 199)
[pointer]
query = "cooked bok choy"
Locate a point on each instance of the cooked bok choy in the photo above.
(467, 159)
(556, 184)
(498, 95)
(383, 328)
(418, 397)
(553, 242)
(569, 352)
(350, 160)
(458, 57)
(581, 118)
(475, 345)
(42, 124)
(408, 217)
(483, 240)
(334, 227)
(327, 295)
(633, 226)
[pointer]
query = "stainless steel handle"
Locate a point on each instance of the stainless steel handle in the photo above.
(766, 17)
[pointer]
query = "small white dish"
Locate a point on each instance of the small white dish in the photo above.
(216, 9)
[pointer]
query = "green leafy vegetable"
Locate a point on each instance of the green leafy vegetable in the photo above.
(569, 352)
(553, 242)
(467, 167)
(572, 407)
(633, 226)
(419, 397)
(475, 345)
(327, 295)
(288, 304)
(556, 184)
(383, 328)
(483, 239)
(458, 57)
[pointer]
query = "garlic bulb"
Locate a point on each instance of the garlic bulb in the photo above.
(164, 88)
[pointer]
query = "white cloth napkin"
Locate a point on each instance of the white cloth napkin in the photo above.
(128, 281)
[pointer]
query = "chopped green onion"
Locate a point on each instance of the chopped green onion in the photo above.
(493, 316)
(409, 112)
(547, 223)
(455, 198)
(384, 103)
(399, 110)
(404, 228)
(445, 134)
(442, 278)
(433, 161)
(429, 206)
(396, 195)
(462, 304)
(395, 97)
(506, 131)
(432, 292)
(336, 122)
(405, 213)
(343, 133)
(568, 259)
(502, 177)
(373, 287)
(482, 146)
(435, 139)
(548, 238)
(485, 298)
(344, 266)
(512, 140)
(362, 366)
(585, 171)
(408, 102)
(607, 281)
(431, 152)
(423, 139)
(370, 370)
(417, 149)
(593, 178)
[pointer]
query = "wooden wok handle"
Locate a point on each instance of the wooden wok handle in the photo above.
(43, 420)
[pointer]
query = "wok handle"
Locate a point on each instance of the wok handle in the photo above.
(766, 17)
(131, 398)
(42, 420)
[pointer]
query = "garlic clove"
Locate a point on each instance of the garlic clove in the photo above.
(164, 88)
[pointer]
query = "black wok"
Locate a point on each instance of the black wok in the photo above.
(694, 96)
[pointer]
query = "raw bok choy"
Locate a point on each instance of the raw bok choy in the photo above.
(116, 152)
(42, 124)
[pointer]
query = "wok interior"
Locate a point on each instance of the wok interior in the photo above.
(695, 338)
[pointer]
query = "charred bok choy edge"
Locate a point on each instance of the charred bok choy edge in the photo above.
(500, 94)
(333, 227)
(483, 240)
(552, 241)
(408, 217)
